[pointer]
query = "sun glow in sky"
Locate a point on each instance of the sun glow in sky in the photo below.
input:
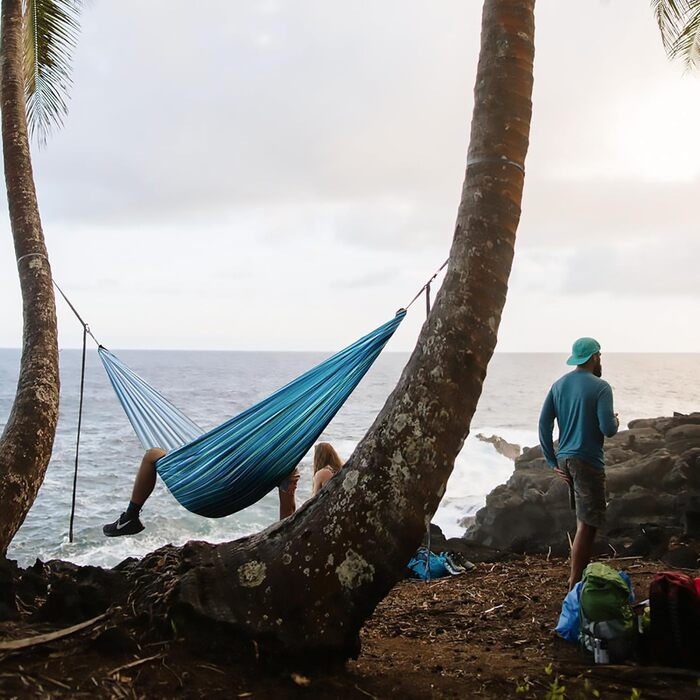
(285, 175)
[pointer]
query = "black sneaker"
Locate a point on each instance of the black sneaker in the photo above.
(123, 525)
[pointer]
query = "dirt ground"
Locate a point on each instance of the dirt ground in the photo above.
(486, 633)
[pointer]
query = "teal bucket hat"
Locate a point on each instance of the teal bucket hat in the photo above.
(582, 350)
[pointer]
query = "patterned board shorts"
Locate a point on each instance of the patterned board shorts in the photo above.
(586, 490)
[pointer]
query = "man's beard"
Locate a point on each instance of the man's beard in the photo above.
(598, 371)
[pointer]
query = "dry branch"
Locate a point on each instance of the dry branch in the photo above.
(16, 644)
(138, 662)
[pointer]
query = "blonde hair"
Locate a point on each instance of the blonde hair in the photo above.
(326, 456)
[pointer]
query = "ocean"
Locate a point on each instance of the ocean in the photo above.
(212, 386)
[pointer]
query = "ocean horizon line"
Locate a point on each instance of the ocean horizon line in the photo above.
(384, 352)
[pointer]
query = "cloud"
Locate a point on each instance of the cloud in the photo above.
(271, 174)
(649, 268)
(338, 104)
(374, 278)
(562, 213)
(635, 270)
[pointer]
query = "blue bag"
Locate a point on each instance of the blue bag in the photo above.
(438, 565)
(568, 626)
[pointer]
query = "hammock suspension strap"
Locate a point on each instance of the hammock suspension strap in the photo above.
(85, 326)
(426, 287)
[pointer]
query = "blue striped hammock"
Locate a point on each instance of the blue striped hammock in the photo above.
(222, 471)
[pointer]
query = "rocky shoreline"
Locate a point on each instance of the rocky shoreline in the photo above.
(486, 632)
(653, 478)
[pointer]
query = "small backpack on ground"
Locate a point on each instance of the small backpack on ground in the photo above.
(674, 629)
(441, 565)
(607, 624)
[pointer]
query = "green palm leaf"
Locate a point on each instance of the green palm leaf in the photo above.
(687, 43)
(668, 15)
(679, 23)
(51, 31)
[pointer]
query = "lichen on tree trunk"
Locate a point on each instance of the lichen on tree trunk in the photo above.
(307, 584)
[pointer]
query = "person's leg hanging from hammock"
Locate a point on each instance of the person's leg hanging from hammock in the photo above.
(129, 523)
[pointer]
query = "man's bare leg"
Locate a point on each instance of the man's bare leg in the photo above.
(287, 495)
(146, 476)
(581, 551)
(288, 504)
(129, 523)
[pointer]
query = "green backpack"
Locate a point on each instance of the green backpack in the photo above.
(607, 621)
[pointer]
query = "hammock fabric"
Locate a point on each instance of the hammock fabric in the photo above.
(231, 467)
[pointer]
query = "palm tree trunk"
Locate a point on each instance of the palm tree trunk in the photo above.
(308, 583)
(26, 442)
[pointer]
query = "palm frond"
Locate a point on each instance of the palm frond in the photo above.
(679, 24)
(687, 44)
(51, 32)
(668, 14)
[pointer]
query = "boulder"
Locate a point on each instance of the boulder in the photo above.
(8, 589)
(683, 437)
(507, 449)
(683, 556)
(465, 549)
(653, 481)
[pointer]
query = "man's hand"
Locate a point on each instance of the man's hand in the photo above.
(617, 420)
(562, 475)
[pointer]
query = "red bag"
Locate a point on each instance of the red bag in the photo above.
(674, 632)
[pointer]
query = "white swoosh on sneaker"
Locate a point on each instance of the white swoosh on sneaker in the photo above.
(122, 525)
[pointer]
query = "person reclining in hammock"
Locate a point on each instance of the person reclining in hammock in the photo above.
(129, 522)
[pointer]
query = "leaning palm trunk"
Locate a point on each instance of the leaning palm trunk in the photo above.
(25, 445)
(308, 583)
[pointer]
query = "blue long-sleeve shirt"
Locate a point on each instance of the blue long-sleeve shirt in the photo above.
(583, 407)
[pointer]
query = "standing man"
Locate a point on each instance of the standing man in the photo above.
(582, 404)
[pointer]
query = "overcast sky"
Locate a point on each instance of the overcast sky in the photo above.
(285, 174)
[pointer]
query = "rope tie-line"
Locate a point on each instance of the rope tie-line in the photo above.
(427, 285)
(86, 332)
(85, 326)
(77, 442)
